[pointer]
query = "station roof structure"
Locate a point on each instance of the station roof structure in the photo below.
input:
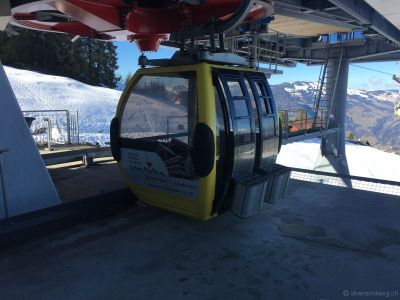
(368, 30)
(299, 30)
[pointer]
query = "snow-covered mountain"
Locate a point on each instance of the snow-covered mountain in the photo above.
(300, 94)
(97, 106)
(370, 113)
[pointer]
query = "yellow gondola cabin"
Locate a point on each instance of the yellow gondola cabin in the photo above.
(183, 134)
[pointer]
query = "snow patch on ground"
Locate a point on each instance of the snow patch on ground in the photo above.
(302, 155)
(363, 161)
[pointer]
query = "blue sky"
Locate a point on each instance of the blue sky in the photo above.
(358, 78)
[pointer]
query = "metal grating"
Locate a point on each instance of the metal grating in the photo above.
(348, 181)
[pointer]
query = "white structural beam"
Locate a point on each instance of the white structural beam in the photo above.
(390, 9)
(25, 183)
(366, 14)
(5, 14)
(332, 158)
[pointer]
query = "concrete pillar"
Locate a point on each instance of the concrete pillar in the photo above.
(333, 152)
(5, 14)
(25, 183)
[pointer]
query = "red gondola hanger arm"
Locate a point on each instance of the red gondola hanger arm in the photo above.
(146, 24)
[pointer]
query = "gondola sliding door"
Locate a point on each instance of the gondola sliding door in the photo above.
(268, 120)
(242, 118)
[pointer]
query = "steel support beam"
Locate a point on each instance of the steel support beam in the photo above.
(333, 152)
(381, 56)
(363, 12)
(335, 146)
(371, 51)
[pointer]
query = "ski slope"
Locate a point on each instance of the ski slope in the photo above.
(97, 105)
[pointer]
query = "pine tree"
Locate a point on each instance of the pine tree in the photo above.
(128, 77)
(111, 65)
(87, 60)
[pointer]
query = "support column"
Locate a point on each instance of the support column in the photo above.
(25, 183)
(5, 14)
(333, 152)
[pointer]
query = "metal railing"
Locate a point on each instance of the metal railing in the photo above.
(54, 126)
(342, 180)
(256, 47)
(302, 121)
(85, 155)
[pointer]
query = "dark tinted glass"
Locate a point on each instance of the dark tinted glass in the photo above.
(161, 105)
(241, 109)
(235, 88)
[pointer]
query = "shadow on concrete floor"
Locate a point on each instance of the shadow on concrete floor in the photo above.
(73, 181)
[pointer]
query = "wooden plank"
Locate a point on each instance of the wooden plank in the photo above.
(294, 26)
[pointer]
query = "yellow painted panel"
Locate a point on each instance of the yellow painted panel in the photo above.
(201, 207)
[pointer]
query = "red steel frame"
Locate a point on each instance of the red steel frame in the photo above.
(117, 20)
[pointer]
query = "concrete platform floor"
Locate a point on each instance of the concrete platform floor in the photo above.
(57, 148)
(321, 242)
(73, 181)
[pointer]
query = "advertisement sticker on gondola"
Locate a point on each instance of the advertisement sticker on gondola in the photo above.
(168, 168)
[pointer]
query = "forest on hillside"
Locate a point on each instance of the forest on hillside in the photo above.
(90, 61)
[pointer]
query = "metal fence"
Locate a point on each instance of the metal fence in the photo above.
(51, 127)
(348, 181)
(300, 121)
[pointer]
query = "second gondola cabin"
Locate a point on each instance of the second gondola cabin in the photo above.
(183, 134)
